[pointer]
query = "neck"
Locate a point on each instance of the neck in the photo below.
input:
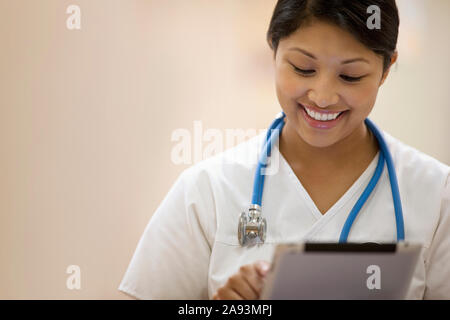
(358, 148)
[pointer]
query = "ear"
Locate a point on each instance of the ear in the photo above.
(393, 60)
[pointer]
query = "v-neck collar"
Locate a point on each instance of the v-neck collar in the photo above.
(358, 185)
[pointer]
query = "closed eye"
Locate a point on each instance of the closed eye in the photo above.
(343, 76)
(303, 72)
(351, 79)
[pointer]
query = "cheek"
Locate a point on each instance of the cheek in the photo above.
(361, 98)
(289, 86)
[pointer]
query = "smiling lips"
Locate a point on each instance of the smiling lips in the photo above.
(319, 118)
(321, 115)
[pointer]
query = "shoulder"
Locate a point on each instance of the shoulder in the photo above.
(423, 180)
(220, 184)
(415, 164)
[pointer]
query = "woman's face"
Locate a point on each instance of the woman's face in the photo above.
(325, 69)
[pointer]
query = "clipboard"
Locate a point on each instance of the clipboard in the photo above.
(341, 271)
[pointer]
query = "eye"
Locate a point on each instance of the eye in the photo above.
(351, 79)
(303, 72)
(310, 72)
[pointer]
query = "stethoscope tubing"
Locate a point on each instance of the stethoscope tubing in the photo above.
(272, 134)
(392, 178)
(384, 156)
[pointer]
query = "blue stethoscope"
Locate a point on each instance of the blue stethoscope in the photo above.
(252, 226)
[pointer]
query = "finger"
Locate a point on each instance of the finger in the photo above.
(227, 293)
(255, 279)
(239, 284)
(251, 278)
(253, 284)
(262, 268)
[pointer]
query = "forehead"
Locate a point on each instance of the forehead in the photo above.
(326, 41)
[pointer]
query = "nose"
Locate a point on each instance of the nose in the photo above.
(323, 93)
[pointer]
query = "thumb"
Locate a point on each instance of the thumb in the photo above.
(263, 267)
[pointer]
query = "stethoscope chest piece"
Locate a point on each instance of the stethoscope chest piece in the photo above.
(252, 227)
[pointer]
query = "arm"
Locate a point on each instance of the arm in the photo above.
(438, 264)
(172, 257)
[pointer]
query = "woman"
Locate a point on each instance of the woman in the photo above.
(329, 66)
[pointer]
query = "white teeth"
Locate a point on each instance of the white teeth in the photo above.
(322, 116)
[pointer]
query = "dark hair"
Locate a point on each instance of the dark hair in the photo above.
(350, 15)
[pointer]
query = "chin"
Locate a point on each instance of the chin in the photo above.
(318, 140)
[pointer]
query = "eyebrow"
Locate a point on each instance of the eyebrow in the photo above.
(306, 53)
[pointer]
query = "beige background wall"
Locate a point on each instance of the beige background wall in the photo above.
(86, 118)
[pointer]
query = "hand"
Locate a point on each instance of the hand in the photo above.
(246, 284)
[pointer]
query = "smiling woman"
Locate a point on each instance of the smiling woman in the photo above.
(329, 67)
(328, 72)
(325, 134)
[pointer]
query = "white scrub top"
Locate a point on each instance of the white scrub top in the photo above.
(190, 247)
